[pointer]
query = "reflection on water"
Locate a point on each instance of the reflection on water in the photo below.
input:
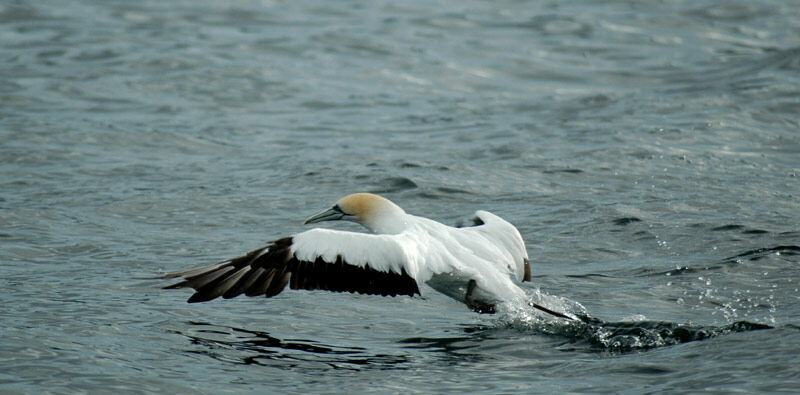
(251, 347)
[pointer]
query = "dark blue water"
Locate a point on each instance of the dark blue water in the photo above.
(648, 153)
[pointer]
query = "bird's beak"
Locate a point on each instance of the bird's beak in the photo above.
(331, 214)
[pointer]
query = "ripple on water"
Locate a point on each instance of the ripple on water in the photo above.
(394, 184)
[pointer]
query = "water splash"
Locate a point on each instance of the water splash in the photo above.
(740, 287)
(638, 333)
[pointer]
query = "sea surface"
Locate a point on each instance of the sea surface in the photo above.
(648, 152)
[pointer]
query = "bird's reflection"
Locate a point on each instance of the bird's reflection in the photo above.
(251, 347)
(465, 345)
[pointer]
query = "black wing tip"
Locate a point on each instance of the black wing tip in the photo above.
(199, 297)
(213, 281)
(552, 312)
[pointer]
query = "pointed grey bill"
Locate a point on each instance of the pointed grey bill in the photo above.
(330, 214)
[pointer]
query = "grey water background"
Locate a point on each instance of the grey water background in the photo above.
(648, 152)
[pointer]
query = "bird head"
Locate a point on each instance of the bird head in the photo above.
(372, 211)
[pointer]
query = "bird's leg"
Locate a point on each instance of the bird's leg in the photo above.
(476, 305)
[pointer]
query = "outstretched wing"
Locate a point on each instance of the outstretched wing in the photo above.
(316, 259)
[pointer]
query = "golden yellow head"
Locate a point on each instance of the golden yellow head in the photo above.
(361, 205)
(368, 209)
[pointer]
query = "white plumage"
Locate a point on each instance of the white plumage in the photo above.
(479, 265)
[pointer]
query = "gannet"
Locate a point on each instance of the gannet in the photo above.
(479, 265)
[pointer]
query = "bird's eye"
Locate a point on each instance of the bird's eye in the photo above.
(337, 209)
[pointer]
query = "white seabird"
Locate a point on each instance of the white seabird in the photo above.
(480, 265)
